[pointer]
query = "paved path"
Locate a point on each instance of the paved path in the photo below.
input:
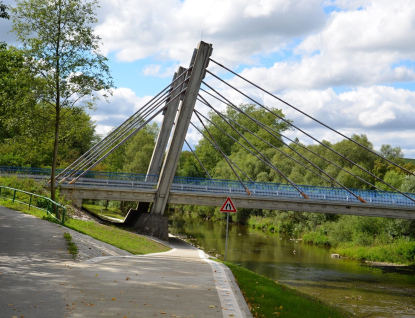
(38, 278)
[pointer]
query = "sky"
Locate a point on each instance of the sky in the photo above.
(348, 63)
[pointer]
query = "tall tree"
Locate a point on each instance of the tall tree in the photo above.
(61, 48)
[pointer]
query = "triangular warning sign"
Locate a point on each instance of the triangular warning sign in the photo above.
(228, 206)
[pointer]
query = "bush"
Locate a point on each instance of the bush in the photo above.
(317, 237)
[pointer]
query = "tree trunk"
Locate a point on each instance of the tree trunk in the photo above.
(57, 118)
(55, 159)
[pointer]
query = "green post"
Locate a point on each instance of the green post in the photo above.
(47, 209)
(14, 195)
(63, 216)
(30, 201)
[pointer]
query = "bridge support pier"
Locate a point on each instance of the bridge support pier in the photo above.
(148, 224)
(77, 203)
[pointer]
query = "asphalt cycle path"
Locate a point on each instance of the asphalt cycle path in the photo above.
(38, 278)
(33, 255)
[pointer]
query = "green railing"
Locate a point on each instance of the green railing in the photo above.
(52, 208)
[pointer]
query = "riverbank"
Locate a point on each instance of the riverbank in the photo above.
(361, 238)
(265, 297)
(348, 284)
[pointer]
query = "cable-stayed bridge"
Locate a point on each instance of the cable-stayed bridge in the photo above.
(179, 105)
(212, 192)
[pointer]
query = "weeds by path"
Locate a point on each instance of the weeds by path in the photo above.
(72, 248)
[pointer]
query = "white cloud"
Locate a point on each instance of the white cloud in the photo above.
(170, 29)
(157, 70)
(384, 114)
(123, 104)
(347, 4)
(372, 45)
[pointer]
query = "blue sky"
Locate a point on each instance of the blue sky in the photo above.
(349, 63)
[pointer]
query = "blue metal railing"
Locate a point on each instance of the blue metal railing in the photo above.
(135, 180)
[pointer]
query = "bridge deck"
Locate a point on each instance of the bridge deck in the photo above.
(198, 191)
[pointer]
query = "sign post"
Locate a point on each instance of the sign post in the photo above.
(227, 207)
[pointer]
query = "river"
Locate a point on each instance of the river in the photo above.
(362, 290)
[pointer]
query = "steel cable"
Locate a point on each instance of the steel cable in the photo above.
(307, 134)
(316, 120)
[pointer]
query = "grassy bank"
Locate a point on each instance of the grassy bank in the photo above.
(101, 211)
(377, 248)
(361, 238)
(267, 298)
(399, 252)
(125, 240)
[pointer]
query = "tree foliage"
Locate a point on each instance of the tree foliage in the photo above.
(61, 48)
(213, 160)
(3, 11)
(135, 155)
(27, 141)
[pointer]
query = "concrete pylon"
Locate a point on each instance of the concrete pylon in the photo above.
(136, 218)
(155, 223)
(166, 127)
(168, 171)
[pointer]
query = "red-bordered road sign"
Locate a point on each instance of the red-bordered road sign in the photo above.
(228, 206)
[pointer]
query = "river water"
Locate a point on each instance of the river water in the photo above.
(362, 290)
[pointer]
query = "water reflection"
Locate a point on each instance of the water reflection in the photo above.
(363, 290)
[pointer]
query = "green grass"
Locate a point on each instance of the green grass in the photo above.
(72, 249)
(267, 298)
(25, 209)
(125, 240)
(400, 252)
(264, 223)
(98, 210)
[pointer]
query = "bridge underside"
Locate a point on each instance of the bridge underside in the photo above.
(77, 194)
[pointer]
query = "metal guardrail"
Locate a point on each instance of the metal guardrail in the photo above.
(33, 200)
(287, 191)
(135, 180)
